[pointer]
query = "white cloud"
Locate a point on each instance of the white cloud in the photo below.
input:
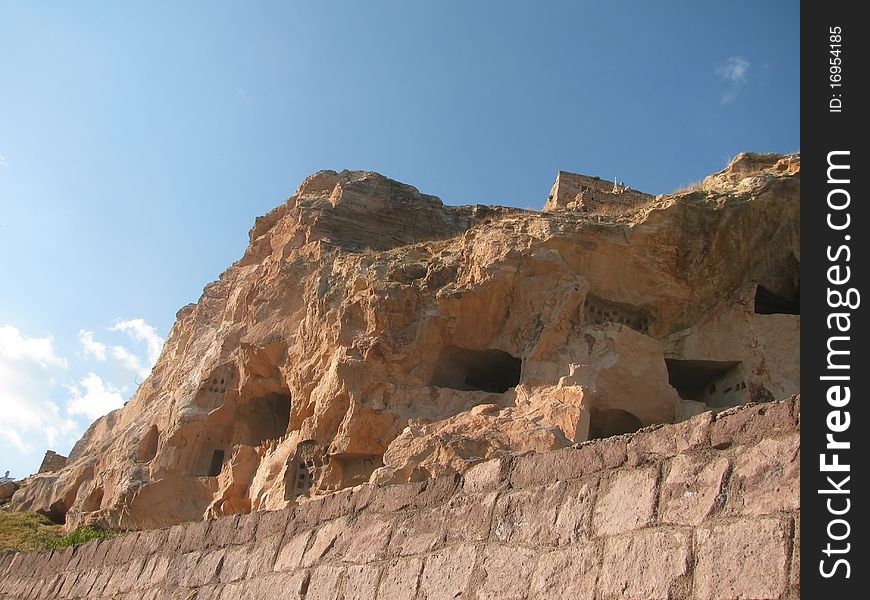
(141, 331)
(14, 346)
(733, 73)
(30, 420)
(130, 361)
(98, 399)
(91, 346)
(3, 162)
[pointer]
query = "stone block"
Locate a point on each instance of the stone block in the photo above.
(262, 557)
(626, 501)
(207, 569)
(692, 488)
(325, 538)
(766, 477)
(393, 498)
(324, 583)
(338, 504)
(746, 425)
(528, 516)
(418, 532)
(435, 492)
(656, 443)
(273, 522)
(535, 469)
(365, 541)
(567, 573)
(175, 537)
(246, 528)
(222, 532)
(506, 572)
(290, 555)
(467, 518)
(742, 559)
(486, 476)
(361, 581)
(646, 565)
(304, 516)
(286, 586)
(574, 519)
(446, 573)
(400, 579)
(125, 550)
(235, 566)
(194, 536)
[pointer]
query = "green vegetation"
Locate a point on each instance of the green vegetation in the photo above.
(32, 532)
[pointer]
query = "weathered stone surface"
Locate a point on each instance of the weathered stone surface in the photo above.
(372, 334)
(569, 573)
(361, 581)
(574, 519)
(400, 579)
(766, 477)
(753, 424)
(324, 583)
(692, 488)
(740, 560)
(528, 516)
(506, 572)
(626, 502)
(290, 556)
(646, 565)
(447, 572)
(419, 532)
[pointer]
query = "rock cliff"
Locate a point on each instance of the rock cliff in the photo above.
(372, 334)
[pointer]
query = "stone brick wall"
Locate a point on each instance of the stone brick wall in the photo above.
(704, 509)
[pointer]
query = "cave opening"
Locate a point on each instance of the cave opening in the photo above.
(264, 418)
(468, 370)
(772, 303)
(715, 382)
(217, 462)
(147, 449)
(612, 421)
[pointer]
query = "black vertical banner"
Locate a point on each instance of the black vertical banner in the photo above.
(835, 223)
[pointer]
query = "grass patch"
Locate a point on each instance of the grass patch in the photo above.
(32, 532)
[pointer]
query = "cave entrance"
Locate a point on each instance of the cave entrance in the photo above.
(771, 303)
(612, 421)
(486, 370)
(217, 462)
(714, 382)
(147, 449)
(264, 418)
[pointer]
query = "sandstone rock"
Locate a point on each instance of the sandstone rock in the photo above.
(370, 333)
(7, 488)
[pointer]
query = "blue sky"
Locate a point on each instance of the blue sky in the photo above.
(138, 142)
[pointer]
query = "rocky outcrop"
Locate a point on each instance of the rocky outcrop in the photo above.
(51, 462)
(370, 333)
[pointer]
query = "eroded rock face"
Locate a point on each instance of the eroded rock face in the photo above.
(370, 333)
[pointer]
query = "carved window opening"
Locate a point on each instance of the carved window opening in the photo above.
(217, 462)
(303, 469)
(493, 371)
(771, 303)
(612, 421)
(716, 383)
(598, 311)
